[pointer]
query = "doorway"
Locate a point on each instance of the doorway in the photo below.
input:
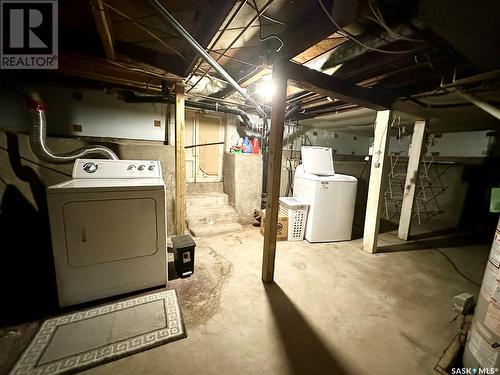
(204, 162)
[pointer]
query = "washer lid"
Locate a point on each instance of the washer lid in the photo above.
(300, 174)
(317, 160)
(107, 184)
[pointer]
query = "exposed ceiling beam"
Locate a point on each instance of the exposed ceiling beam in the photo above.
(326, 85)
(308, 30)
(167, 62)
(93, 68)
(103, 27)
(217, 12)
(351, 50)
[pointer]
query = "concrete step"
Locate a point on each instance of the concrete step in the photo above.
(211, 215)
(207, 200)
(204, 187)
(206, 230)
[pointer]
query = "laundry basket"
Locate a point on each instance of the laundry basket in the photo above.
(296, 210)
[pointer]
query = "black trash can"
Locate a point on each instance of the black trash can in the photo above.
(183, 255)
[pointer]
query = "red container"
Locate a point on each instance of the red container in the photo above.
(255, 146)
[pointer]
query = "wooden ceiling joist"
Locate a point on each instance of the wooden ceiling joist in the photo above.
(103, 27)
(300, 35)
(212, 20)
(101, 70)
(326, 85)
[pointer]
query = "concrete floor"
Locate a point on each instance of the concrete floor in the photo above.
(332, 310)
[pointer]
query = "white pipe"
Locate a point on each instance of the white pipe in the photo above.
(485, 106)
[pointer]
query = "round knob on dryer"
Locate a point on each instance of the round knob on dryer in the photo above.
(141, 167)
(90, 167)
(151, 167)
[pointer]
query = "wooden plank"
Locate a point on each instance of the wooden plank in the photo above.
(168, 62)
(180, 161)
(103, 28)
(274, 175)
(377, 177)
(117, 73)
(416, 152)
(313, 80)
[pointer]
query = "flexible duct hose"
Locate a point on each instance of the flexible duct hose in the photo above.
(38, 139)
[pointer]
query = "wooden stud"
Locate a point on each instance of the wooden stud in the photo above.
(274, 174)
(180, 161)
(416, 152)
(377, 177)
(103, 28)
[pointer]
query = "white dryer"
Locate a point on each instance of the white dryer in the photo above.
(108, 227)
(331, 196)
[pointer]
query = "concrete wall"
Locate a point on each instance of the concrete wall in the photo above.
(20, 168)
(243, 182)
(451, 201)
(99, 113)
(459, 144)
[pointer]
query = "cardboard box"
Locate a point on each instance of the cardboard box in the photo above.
(282, 230)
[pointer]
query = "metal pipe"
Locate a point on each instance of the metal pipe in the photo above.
(485, 106)
(473, 79)
(266, 5)
(131, 97)
(201, 51)
(231, 19)
(38, 139)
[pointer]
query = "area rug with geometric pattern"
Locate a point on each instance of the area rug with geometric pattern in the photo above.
(88, 338)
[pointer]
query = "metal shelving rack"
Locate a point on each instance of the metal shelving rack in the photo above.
(429, 187)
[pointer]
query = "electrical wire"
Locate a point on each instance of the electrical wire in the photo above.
(270, 36)
(455, 267)
(248, 25)
(379, 19)
(350, 36)
(272, 19)
(140, 26)
(214, 42)
(138, 69)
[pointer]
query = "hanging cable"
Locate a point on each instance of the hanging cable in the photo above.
(271, 36)
(350, 36)
(379, 19)
(272, 19)
(140, 26)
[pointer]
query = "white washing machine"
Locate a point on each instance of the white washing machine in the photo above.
(108, 227)
(331, 197)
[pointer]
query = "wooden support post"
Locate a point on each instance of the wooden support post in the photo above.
(416, 152)
(180, 161)
(274, 174)
(377, 177)
(103, 28)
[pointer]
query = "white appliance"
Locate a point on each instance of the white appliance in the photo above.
(108, 227)
(331, 199)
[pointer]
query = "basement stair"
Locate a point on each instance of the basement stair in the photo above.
(208, 211)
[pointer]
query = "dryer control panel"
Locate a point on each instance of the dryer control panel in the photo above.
(103, 168)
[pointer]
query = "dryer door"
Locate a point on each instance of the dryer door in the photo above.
(109, 230)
